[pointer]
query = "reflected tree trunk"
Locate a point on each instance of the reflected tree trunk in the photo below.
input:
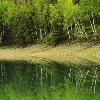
(51, 79)
(41, 77)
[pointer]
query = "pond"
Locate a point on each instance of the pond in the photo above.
(21, 80)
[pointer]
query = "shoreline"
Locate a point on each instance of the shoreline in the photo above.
(74, 53)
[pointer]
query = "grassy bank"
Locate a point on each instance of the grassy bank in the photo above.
(73, 53)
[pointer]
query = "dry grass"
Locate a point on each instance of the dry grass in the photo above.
(74, 53)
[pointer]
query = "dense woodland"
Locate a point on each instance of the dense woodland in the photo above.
(25, 22)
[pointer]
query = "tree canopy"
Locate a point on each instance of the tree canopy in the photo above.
(24, 22)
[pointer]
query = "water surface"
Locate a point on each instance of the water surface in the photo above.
(49, 81)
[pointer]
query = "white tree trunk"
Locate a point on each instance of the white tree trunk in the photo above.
(41, 37)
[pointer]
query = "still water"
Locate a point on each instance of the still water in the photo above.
(49, 81)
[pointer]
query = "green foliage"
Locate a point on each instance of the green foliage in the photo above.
(88, 6)
(7, 11)
(40, 11)
(55, 22)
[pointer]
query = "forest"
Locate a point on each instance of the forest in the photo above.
(26, 22)
(49, 49)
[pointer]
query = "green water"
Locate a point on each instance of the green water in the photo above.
(49, 81)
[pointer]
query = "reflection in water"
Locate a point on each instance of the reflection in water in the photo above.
(26, 81)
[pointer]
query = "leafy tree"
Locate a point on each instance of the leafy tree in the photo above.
(89, 10)
(6, 16)
(26, 22)
(40, 13)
